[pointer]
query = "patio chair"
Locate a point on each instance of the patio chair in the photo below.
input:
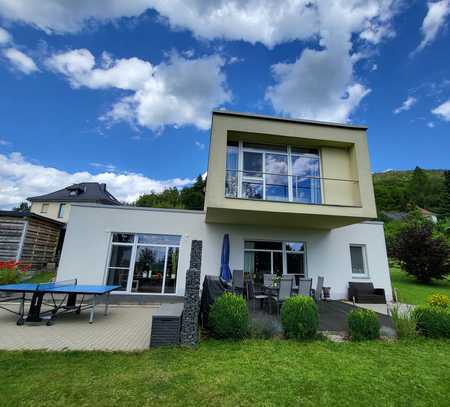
(365, 293)
(316, 293)
(238, 282)
(268, 279)
(284, 292)
(304, 286)
(254, 296)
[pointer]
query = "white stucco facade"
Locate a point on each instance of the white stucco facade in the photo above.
(86, 249)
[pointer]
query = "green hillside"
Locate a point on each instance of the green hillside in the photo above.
(397, 190)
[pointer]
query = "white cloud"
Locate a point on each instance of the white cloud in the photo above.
(177, 92)
(407, 104)
(320, 84)
(200, 145)
(107, 167)
(4, 142)
(62, 16)
(431, 125)
(21, 179)
(5, 37)
(443, 111)
(21, 61)
(433, 21)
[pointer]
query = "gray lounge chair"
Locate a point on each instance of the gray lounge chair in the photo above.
(304, 286)
(317, 292)
(268, 280)
(284, 292)
(238, 282)
(254, 296)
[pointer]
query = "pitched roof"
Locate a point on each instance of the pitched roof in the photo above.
(91, 192)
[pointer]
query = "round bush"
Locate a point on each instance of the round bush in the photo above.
(363, 324)
(433, 321)
(229, 317)
(438, 300)
(300, 317)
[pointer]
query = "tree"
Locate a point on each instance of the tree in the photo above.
(446, 196)
(418, 187)
(194, 197)
(169, 198)
(421, 252)
(23, 206)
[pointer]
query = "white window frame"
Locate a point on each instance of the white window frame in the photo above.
(134, 246)
(363, 247)
(44, 207)
(241, 178)
(283, 252)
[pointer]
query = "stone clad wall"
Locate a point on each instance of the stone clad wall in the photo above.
(189, 325)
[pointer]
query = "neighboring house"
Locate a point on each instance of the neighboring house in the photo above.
(295, 197)
(29, 238)
(56, 205)
(391, 215)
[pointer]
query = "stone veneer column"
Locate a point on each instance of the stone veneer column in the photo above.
(189, 324)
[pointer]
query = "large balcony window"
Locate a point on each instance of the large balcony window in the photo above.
(273, 173)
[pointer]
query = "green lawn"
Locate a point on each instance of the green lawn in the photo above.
(412, 292)
(253, 373)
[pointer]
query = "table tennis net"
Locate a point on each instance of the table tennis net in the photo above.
(56, 284)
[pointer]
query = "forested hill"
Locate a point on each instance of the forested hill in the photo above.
(397, 190)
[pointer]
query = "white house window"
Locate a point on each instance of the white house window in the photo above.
(358, 260)
(44, 208)
(267, 257)
(275, 173)
(62, 208)
(144, 263)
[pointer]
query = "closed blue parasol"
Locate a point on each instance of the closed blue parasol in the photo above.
(225, 272)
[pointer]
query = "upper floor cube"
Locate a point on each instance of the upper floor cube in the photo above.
(285, 172)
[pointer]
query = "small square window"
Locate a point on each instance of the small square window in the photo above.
(44, 208)
(358, 260)
(61, 210)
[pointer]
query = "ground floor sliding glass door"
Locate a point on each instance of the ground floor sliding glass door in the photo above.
(277, 258)
(144, 263)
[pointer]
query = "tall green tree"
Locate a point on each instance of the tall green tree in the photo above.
(194, 197)
(419, 187)
(446, 195)
(23, 206)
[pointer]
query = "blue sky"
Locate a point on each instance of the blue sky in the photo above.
(121, 92)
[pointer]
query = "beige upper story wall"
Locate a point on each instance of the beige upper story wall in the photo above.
(52, 210)
(346, 184)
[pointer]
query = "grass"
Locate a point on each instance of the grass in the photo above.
(410, 291)
(43, 277)
(257, 372)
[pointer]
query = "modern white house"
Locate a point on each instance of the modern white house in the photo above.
(294, 196)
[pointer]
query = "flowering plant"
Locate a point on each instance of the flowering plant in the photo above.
(12, 271)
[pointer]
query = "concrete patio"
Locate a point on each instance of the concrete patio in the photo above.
(125, 328)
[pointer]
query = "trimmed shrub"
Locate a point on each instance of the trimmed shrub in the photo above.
(300, 317)
(438, 300)
(363, 325)
(228, 317)
(404, 321)
(433, 322)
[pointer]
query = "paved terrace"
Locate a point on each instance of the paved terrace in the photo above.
(126, 328)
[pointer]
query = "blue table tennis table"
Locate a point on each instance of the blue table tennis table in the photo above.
(68, 290)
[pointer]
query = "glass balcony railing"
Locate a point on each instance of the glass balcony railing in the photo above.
(291, 188)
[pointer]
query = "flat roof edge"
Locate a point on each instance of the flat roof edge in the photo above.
(138, 208)
(288, 119)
